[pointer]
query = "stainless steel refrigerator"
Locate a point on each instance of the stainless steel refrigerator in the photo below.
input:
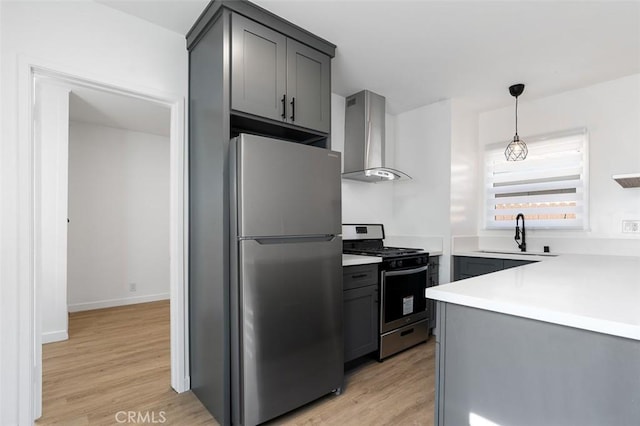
(286, 291)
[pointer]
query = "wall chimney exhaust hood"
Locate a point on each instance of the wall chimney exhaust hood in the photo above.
(364, 140)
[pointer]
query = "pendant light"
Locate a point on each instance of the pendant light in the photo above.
(517, 149)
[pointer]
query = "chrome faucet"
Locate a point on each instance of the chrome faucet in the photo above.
(521, 245)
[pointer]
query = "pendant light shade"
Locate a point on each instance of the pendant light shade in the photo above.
(517, 149)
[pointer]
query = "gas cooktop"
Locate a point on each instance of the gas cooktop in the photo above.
(382, 251)
(367, 240)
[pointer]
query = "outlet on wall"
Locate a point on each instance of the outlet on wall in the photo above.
(132, 287)
(631, 226)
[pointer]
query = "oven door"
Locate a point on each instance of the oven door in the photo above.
(402, 297)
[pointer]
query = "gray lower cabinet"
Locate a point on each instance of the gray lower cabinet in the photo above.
(511, 263)
(469, 266)
(433, 279)
(360, 322)
(361, 313)
(279, 78)
(500, 369)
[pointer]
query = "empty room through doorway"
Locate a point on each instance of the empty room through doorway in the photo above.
(103, 233)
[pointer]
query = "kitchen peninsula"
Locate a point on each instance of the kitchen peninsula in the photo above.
(554, 342)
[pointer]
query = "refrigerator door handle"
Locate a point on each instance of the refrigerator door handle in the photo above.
(292, 239)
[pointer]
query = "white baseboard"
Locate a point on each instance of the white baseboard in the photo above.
(54, 336)
(77, 307)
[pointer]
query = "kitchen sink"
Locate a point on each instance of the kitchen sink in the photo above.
(519, 253)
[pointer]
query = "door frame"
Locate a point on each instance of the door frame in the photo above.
(29, 343)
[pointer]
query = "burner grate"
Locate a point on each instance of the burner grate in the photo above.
(383, 251)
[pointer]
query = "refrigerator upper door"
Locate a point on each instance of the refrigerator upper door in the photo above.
(290, 301)
(285, 188)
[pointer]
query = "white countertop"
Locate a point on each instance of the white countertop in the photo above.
(591, 292)
(354, 259)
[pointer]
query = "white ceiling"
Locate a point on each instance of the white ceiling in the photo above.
(174, 15)
(88, 105)
(418, 52)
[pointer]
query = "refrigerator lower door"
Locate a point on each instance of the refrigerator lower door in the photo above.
(290, 323)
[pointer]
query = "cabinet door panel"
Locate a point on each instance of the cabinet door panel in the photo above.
(467, 267)
(474, 266)
(258, 69)
(360, 319)
(308, 87)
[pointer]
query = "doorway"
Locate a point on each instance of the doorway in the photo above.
(51, 218)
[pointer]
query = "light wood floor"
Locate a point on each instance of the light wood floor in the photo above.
(398, 392)
(118, 359)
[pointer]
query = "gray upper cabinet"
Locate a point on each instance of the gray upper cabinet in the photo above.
(258, 62)
(278, 78)
(308, 87)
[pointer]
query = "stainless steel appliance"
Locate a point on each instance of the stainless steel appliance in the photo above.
(364, 140)
(286, 292)
(403, 282)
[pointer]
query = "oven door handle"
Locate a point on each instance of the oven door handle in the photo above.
(406, 271)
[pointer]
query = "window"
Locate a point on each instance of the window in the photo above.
(549, 187)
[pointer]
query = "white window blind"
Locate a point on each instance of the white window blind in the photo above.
(549, 187)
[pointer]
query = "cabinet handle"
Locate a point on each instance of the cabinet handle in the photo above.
(355, 277)
(284, 106)
(293, 109)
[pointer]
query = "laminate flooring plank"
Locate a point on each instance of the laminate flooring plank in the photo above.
(398, 391)
(118, 359)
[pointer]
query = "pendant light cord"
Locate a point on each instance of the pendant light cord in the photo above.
(516, 116)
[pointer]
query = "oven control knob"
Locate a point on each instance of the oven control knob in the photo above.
(399, 263)
(418, 261)
(393, 263)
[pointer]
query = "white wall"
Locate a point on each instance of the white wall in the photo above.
(52, 144)
(3, 293)
(94, 42)
(119, 217)
(610, 112)
(421, 206)
(465, 194)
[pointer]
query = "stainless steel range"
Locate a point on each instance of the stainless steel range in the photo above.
(403, 282)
